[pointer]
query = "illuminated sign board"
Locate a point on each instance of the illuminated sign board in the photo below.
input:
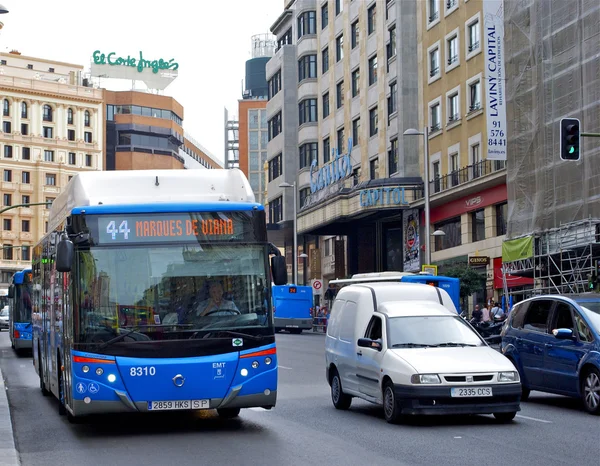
(140, 63)
(292, 289)
(338, 169)
(174, 227)
(383, 197)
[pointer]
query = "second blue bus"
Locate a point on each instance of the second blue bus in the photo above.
(19, 311)
(291, 308)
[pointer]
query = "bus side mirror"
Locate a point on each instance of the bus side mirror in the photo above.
(64, 255)
(11, 292)
(278, 270)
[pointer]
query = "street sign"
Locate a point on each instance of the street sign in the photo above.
(317, 286)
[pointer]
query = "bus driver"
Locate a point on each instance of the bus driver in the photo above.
(215, 302)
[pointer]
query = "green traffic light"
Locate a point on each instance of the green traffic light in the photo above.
(571, 150)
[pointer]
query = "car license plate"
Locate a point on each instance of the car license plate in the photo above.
(178, 404)
(470, 392)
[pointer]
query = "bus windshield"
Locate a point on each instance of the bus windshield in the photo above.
(22, 302)
(172, 292)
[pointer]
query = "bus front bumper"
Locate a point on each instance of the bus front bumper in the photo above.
(304, 324)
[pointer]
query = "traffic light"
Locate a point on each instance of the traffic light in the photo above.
(569, 139)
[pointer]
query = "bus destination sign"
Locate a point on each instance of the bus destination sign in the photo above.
(176, 227)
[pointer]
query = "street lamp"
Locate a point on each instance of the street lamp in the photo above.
(425, 134)
(295, 254)
(3, 10)
(304, 257)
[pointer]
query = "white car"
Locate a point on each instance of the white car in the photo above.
(4, 318)
(413, 356)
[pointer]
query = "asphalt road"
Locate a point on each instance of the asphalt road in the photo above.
(304, 428)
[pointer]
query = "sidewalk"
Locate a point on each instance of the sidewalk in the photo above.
(8, 452)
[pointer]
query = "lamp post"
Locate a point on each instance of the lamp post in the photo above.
(295, 254)
(303, 256)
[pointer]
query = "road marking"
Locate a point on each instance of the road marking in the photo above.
(457, 437)
(258, 409)
(284, 367)
(534, 419)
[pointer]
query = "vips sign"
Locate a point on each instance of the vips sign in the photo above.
(493, 20)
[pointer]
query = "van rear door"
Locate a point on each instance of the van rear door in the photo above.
(347, 347)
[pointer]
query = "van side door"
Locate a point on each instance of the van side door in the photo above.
(346, 347)
(369, 359)
(531, 341)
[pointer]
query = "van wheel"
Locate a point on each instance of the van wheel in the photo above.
(590, 390)
(391, 410)
(339, 398)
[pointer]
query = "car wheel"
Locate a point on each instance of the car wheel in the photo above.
(228, 413)
(391, 410)
(339, 398)
(505, 417)
(590, 389)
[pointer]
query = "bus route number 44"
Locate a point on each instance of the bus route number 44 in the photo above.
(112, 230)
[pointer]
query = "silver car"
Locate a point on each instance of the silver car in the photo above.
(4, 318)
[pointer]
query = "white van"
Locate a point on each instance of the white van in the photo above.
(403, 346)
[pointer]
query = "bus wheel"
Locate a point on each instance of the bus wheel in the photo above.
(42, 386)
(61, 393)
(228, 413)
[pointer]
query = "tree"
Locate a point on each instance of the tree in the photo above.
(470, 280)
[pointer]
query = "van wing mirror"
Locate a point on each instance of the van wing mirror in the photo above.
(278, 270)
(368, 343)
(64, 254)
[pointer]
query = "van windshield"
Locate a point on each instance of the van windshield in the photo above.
(435, 331)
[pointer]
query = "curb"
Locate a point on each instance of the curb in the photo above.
(8, 452)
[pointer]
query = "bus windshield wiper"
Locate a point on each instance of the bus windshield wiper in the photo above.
(133, 330)
(230, 332)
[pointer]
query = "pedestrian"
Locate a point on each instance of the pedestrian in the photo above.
(485, 313)
(477, 313)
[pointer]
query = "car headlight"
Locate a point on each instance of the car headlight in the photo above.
(425, 378)
(511, 376)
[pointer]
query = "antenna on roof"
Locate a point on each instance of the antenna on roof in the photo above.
(156, 183)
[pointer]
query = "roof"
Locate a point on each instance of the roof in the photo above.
(131, 187)
(396, 291)
(416, 308)
(575, 297)
(19, 276)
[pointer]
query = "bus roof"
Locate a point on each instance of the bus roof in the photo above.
(19, 276)
(130, 187)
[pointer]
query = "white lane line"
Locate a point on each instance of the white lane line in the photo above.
(284, 367)
(534, 419)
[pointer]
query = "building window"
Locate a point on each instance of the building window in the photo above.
(307, 23)
(6, 108)
(374, 169)
(355, 82)
(86, 118)
(286, 39)
(47, 114)
(24, 129)
(72, 158)
(48, 156)
(371, 20)
(307, 111)
(26, 153)
(307, 67)
(452, 48)
(276, 210)
(8, 176)
(49, 202)
(25, 199)
(325, 15)
(304, 193)
(436, 177)
(434, 11)
(88, 160)
(24, 110)
(372, 70)
(339, 6)
(474, 35)
(326, 150)
(392, 100)
(326, 105)
(8, 152)
(339, 48)
(474, 96)
(7, 224)
(393, 157)
(435, 116)
(48, 132)
(452, 238)
(275, 168)
(339, 91)
(501, 218)
(87, 137)
(434, 62)
(453, 108)
(340, 141)
(454, 178)
(325, 60)
(373, 123)
(478, 225)
(70, 116)
(308, 152)
(25, 253)
(7, 200)
(356, 131)
(476, 161)
(26, 177)
(71, 134)
(7, 250)
(391, 47)
(275, 84)
(25, 226)
(275, 126)
(7, 127)
(354, 34)
(50, 179)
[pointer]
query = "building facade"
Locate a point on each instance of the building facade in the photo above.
(253, 139)
(52, 128)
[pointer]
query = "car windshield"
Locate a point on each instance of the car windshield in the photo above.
(592, 312)
(141, 294)
(4, 313)
(431, 331)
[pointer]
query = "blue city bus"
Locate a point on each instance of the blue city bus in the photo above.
(450, 284)
(291, 308)
(152, 292)
(19, 311)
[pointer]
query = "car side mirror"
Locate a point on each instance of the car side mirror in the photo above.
(563, 333)
(11, 292)
(368, 343)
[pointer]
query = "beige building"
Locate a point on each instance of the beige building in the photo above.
(468, 191)
(52, 128)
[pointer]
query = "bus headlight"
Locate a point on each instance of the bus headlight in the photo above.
(99, 371)
(244, 372)
(85, 369)
(112, 377)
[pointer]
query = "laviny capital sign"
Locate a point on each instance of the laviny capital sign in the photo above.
(141, 63)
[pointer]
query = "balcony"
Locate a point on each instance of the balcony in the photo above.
(466, 174)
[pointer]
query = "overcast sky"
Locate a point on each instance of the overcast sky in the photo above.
(210, 39)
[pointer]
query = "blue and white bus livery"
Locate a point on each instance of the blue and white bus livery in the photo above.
(19, 311)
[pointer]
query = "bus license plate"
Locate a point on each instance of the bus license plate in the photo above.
(470, 392)
(178, 404)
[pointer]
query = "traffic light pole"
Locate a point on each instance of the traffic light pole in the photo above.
(23, 205)
(590, 135)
